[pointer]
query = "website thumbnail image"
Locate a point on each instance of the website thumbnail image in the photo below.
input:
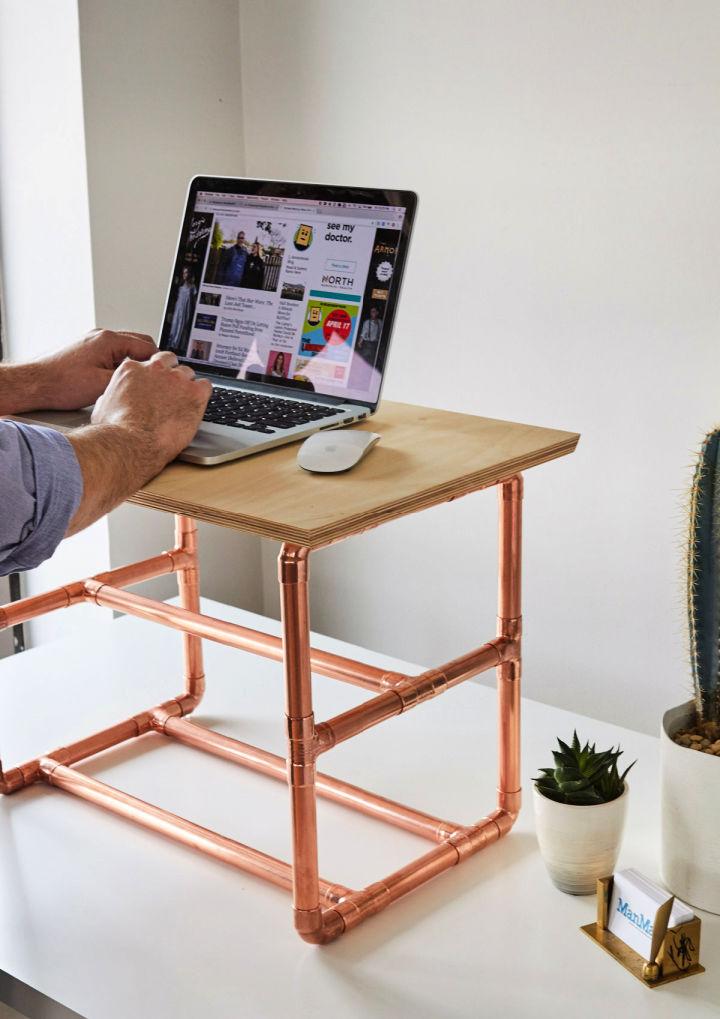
(295, 297)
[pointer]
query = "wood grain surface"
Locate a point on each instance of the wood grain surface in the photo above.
(424, 457)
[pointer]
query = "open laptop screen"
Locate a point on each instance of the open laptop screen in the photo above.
(292, 285)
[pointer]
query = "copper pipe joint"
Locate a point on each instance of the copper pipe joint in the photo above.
(409, 691)
(510, 802)
(425, 686)
(503, 820)
(186, 534)
(511, 630)
(512, 489)
(302, 751)
(25, 609)
(331, 927)
(16, 778)
(136, 573)
(469, 841)
(293, 565)
(308, 921)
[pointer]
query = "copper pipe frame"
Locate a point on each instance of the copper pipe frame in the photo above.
(322, 910)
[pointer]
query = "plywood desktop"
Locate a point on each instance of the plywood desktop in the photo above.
(425, 457)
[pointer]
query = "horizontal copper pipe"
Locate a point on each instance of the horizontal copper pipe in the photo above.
(263, 761)
(25, 774)
(363, 904)
(233, 635)
(177, 828)
(411, 691)
(358, 906)
(475, 662)
(355, 907)
(348, 724)
(369, 677)
(25, 609)
(135, 573)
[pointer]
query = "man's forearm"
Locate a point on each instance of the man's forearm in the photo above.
(22, 387)
(114, 465)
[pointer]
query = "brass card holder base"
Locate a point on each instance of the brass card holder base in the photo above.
(674, 953)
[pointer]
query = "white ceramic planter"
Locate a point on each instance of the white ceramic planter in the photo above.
(690, 785)
(579, 844)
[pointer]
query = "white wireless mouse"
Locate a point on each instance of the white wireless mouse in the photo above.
(335, 450)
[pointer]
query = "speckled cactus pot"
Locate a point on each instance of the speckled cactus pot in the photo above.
(690, 791)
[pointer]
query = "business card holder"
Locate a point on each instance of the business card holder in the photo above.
(674, 951)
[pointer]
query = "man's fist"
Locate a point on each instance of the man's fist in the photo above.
(77, 375)
(160, 405)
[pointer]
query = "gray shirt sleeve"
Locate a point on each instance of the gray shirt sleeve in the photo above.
(40, 489)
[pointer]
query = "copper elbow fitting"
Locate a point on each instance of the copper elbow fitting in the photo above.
(293, 564)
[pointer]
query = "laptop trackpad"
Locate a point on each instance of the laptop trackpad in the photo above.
(209, 443)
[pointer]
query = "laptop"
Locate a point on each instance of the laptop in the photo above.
(284, 296)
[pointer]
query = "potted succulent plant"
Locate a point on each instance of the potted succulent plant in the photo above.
(690, 735)
(580, 806)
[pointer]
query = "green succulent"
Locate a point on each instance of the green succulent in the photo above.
(581, 776)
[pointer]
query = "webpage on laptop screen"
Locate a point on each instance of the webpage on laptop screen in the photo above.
(286, 289)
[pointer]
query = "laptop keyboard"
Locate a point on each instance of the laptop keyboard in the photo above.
(256, 412)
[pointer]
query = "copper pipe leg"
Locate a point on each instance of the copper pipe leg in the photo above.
(509, 626)
(189, 589)
(293, 574)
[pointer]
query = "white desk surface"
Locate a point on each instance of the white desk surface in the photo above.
(117, 923)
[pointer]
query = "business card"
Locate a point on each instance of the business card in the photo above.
(634, 903)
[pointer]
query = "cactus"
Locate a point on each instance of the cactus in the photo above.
(581, 776)
(703, 580)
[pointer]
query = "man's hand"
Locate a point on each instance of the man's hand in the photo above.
(158, 404)
(73, 377)
(149, 412)
(77, 375)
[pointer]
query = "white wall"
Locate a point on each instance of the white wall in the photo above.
(93, 172)
(161, 88)
(567, 158)
(566, 155)
(45, 231)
